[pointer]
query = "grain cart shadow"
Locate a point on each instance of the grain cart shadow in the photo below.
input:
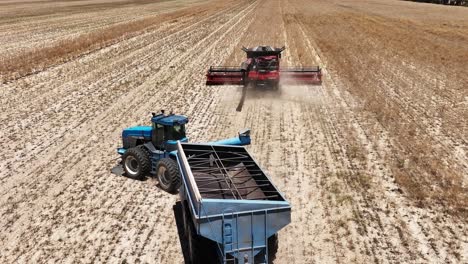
(178, 214)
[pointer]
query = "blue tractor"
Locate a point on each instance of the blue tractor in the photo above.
(151, 150)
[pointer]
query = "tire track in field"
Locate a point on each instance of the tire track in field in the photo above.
(278, 146)
(88, 87)
(64, 206)
(359, 229)
(421, 164)
(210, 52)
(45, 30)
(371, 203)
(362, 206)
(25, 33)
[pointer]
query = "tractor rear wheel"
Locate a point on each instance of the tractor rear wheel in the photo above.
(168, 175)
(136, 162)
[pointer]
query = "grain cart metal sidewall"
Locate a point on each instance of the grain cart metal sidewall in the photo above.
(236, 226)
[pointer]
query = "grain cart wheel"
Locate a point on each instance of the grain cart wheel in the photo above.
(201, 249)
(272, 249)
(168, 175)
(136, 163)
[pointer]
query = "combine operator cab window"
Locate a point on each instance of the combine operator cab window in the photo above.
(175, 132)
(270, 65)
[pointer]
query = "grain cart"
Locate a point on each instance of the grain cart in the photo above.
(232, 211)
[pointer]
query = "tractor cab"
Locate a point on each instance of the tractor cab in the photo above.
(163, 133)
(167, 129)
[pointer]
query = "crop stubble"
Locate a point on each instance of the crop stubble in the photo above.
(334, 150)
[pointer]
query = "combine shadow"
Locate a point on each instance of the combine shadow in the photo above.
(178, 215)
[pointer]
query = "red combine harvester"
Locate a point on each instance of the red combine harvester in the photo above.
(262, 69)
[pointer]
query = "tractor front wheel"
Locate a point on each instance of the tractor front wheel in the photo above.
(136, 163)
(168, 175)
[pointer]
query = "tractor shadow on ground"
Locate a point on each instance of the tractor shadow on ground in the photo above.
(178, 215)
(119, 171)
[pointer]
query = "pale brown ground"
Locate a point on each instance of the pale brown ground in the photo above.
(373, 162)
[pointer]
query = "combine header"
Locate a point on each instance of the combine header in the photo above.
(262, 68)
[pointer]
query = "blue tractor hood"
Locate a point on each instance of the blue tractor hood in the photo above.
(143, 132)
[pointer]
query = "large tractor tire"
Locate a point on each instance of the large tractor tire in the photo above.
(168, 175)
(136, 162)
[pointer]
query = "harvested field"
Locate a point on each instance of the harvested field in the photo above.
(374, 161)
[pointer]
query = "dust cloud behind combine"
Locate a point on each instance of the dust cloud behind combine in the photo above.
(373, 161)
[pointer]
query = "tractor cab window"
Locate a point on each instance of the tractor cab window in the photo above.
(175, 132)
(158, 135)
